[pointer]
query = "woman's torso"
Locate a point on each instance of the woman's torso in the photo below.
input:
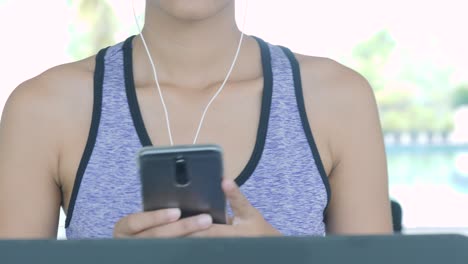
(272, 159)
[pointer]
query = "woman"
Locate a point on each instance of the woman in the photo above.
(294, 129)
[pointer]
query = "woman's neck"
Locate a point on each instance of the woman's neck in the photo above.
(193, 50)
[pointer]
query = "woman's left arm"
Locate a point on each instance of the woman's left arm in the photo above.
(350, 127)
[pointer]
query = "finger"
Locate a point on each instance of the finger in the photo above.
(215, 231)
(180, 228)
(139, 222)
(239, 203)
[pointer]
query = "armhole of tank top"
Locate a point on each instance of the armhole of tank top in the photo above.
(96, 117)
(305, 122)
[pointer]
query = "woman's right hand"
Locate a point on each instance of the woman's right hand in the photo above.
(164, 223)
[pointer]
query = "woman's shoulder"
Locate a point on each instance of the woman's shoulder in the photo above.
(59, 98)
(343, 113)
(335, 97)
(58, 80)
(334, 86)
(331, 77)
(55, 88)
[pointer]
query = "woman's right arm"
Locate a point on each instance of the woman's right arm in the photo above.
(30, 195)
(31, 130)
(33, 124)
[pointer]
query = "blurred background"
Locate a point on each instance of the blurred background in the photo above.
(412, 52)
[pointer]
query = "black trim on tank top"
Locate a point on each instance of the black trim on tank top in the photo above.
(96, 117)
(131, 94)
(305, 122)
(264, 114)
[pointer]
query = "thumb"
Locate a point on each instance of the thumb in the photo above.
(239, 203)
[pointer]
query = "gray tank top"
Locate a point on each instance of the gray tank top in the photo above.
(284, 178)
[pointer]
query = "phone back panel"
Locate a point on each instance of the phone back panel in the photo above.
(161, 170)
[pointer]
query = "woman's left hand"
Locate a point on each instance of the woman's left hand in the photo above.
(247, 221)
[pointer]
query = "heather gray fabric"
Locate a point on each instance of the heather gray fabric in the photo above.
(287, 186)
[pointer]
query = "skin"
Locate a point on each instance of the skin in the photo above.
(38, 164)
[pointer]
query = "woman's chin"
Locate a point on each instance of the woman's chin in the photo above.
(192, 10)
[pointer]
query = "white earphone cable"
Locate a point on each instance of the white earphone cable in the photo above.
(155, 76)
(166, 113)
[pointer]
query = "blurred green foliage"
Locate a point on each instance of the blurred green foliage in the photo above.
(94, 28)
(417, 119)
(371, 56)
(394, 99)
(416, 95)
(460, 96)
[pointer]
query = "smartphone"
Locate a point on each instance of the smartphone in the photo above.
(185, 177)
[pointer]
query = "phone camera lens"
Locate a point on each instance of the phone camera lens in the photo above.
(181, 172)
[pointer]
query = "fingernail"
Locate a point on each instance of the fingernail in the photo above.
(173, 214)
(204, 221)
